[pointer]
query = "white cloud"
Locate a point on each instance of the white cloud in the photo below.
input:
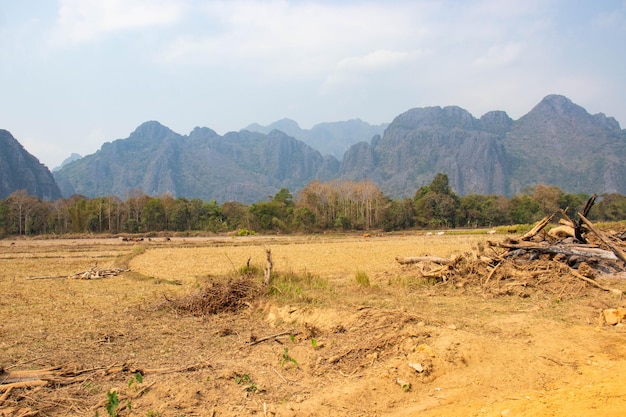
(80, 21)
(499, 56)
(294, 39)
(380, 63)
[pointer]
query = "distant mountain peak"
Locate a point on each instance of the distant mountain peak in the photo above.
(19, 170)
(449, 117)
(152, 129)
(558, 105)
(73, 157)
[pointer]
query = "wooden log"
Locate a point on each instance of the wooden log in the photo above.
(417, 259)
(24, 384)
(569, 250)
(617, 251)
(532, 232)
(268, 267)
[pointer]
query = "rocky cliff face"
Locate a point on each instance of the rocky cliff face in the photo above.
(423, 142)
(556, 143)
(559, 143)
(240, 166)
(19, 170)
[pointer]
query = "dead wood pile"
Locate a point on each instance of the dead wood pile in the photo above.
(92, 273)
(564, 262)
(230, 296)
(13, 382)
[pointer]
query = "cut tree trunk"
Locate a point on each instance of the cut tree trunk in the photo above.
(268, 267)
(569, 250)
(404, 260)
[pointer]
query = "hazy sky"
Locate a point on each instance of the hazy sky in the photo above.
(77, 73)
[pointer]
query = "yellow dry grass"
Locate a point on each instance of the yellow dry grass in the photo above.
(335, 258)
(486, 356)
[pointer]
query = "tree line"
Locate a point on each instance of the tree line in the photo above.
(319, 206)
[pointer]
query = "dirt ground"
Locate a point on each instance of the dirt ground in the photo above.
(321, 344)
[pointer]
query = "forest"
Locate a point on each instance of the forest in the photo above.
(318, 207)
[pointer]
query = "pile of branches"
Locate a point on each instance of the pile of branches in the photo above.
(564, 261)
(576, 243)
(93, 273)
(230, 296)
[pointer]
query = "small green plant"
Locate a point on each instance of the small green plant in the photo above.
(112, 404)
(362, 279)
(286, 358)
(314, 342)
(135, 380)
(91, 387)
(246, 380)
(152, 413)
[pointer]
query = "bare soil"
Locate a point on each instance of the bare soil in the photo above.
(320, 345)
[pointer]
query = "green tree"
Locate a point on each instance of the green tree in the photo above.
(275, 214)
(436, 205)
(153, 215)
(398, 215)
(525, 209)
(236, 215)
(180, 215)
(304, 219)
(610, 207)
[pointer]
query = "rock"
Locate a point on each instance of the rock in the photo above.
(417, 366)
(613, 316)
(406, 385)
(426, 349)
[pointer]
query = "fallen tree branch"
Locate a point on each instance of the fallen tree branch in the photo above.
(274, 336)
(23, 384)
(6, 394)
(617, 251)
(595, 284)
(417, 259)
(493, 271)
(532, 232)
(570, 250)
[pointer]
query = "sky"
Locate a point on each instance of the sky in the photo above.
(75, 74)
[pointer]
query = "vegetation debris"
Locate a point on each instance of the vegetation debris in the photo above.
(230, 296)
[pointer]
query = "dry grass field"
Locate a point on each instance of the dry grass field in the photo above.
(343, 331)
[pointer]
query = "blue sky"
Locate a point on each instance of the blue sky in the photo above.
(77, 73)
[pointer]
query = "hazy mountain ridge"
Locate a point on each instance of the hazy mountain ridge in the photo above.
(329, 138)
(239, 166)
(424, 141)
(556, 143)
(19, 170)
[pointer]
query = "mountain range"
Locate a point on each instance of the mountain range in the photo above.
(556, 143)
(19, 170)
